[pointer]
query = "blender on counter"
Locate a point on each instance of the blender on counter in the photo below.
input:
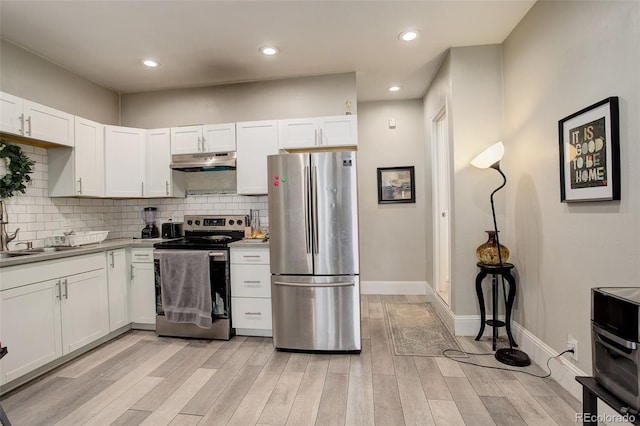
(150, 230)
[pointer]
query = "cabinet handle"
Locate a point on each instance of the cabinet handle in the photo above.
(112, 260)
(80, 186)
(29, 123)
(321, 141)
(142, 188)
(204, 144)
(199, 144)
(132, 276)
(253, 313)
(251, 282)
(66, 289)
(59, 296)
(166, 187)
(21, 124)
(315, 136)
(250, 255)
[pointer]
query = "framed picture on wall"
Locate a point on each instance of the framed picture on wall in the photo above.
(396, 185)
(590, 153)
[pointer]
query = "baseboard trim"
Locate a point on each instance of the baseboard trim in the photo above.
(393, 287)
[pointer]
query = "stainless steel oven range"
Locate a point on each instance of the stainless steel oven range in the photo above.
(213, 234)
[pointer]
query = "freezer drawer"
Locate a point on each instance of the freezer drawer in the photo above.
(316, 313)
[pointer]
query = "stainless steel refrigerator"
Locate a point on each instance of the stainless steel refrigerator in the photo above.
(313, 240)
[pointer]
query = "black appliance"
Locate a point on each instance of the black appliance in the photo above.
(150, 229)
(214, 234)
(172, 230)
(615, 337)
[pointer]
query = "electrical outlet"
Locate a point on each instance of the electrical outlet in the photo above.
(572, 343)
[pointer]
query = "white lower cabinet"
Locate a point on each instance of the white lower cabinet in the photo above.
(118, 289)
(49, 310)
(143, 290)
(251, 291)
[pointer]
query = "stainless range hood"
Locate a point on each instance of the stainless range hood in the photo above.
(206, 162)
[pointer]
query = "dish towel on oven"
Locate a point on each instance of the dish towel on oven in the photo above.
(186, 286)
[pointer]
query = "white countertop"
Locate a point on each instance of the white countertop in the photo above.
(250, 243)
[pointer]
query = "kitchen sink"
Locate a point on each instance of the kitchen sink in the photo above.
(37, 250)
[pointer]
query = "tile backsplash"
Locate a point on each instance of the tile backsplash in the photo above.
(39, 216)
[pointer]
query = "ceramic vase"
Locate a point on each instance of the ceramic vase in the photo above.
(488, 252)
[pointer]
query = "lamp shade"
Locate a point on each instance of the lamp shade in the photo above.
(489, 156)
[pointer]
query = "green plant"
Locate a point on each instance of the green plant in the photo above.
(18, 167)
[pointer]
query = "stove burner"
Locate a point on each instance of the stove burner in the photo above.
(216, 238)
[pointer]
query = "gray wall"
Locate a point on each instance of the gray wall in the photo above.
(263, 100)
(562, 57)
(392, 236)
(31, 77)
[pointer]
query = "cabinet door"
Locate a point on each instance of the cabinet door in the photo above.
(298, 133)
(256, 140)
(89, 158)
(30, 327)
(340, 130)
(251, 313)
(124, 161)
(158, 173)
(186, 140)
(48, 124)
(250, 281)
(11, 114)
(118, 289)
(143, 293)
(219, 137)
(85, 309)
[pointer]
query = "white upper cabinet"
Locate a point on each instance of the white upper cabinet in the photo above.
(318, 132)
(79, 171)
(203, 139)
(256, 141)
(160, 180)
(25, 118)
(125, 151)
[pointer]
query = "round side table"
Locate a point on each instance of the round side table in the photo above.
(494, 270)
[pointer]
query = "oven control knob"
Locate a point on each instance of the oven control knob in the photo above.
(239, 222)
(189, 222)
(231, 222)
(197, 223)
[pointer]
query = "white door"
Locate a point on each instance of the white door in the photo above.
(219, 137)
(11, 114)
(143, 293)
(158, 173)
(442, 225)
(124, 161)
(89, 157)
(340, 130)
(186, 140)
(298, 133)
(118, 289)
(48, 124)
(256, 140)
(30, 328)
(85, 309)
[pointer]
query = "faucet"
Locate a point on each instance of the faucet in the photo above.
(29, 244)
(5, 237)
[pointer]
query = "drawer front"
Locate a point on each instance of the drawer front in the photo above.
(251, 313)
(142, 255)
(250, 281)
(250, 256)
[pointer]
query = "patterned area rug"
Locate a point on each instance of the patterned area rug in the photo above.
(416, 329)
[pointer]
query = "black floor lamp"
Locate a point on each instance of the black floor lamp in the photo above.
(490, 158)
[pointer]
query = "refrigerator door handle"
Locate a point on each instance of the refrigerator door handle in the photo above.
(314, 201)
(308, 285)
(307, 229)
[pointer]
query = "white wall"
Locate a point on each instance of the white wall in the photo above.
(262, 100)
(31, 77)
(392, 236)
(562, 57)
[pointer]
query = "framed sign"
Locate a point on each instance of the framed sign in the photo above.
(590, 153)
(396, 185)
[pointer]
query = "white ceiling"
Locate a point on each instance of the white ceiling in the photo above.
(203, 42)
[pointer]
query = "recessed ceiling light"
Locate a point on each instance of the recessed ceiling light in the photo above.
(394, 88)
(150, 63)
(408, 35)
(269, 50)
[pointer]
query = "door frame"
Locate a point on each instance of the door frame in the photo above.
(441, 155)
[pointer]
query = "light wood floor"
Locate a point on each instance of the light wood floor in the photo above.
(140, 379)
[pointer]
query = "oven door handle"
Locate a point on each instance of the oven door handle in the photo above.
(156, 254)
(622, 342)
